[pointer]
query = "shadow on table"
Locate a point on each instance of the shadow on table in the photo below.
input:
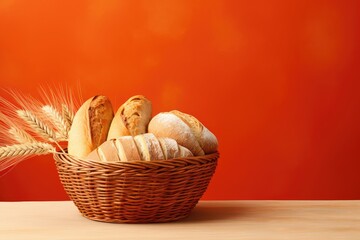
(213, 213)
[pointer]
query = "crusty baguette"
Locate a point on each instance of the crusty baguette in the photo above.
(149, 147)
(131, 118)
(171, 149)
(127, 149)
(207, 140)
(144, 147)
(90, 126)
(169, 125)
(108, 152)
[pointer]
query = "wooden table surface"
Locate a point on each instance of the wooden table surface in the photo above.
(218, 220)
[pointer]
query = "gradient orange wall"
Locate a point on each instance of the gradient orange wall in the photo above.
(276, 81)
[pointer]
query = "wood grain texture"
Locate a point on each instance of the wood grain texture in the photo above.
(209, 220)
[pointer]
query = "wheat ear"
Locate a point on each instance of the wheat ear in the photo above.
(20, 135)
(67, 115)
(26, 149)
(38, 126)
(57, 120)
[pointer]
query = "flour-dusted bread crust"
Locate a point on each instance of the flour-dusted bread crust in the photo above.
(156, 152)
(184, 152)
(131, 118)
(206, 139)
(171, 149)
(90, 126)
(169, 125)
(149, 147)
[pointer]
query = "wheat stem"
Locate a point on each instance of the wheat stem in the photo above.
(38, 126)
(20, 135)
(26, 149)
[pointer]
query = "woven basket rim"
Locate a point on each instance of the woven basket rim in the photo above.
(175, 162)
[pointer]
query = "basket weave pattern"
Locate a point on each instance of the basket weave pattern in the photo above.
(136, 192)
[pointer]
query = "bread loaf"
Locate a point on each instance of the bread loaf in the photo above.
(90, 126)
(106, 153)
(149, 147)
(127, 149)
(186, 130)
(144, 147)
(171, 149)
(131, 118)
(207, 140)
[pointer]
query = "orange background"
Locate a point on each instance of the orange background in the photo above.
(276, 81)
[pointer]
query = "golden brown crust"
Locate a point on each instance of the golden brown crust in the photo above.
(90, 126)
(131, 118)
(100, 118)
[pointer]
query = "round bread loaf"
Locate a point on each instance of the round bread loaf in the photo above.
(186, 130)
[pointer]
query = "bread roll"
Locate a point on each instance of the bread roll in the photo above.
(169, 125)
(90, 126)
(144, 147)
(186, 130)
(131, 118)
(207, 140)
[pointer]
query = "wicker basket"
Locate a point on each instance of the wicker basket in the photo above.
(136, 192)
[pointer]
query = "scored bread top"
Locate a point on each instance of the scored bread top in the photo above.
(131, 118)
(90, 126)
(195, 125)
(206, 139)
(100, 118)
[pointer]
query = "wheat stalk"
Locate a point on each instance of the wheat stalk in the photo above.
(26, 149)
(20, 135)
(38, 126)
(67, 115)
(57, 120)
